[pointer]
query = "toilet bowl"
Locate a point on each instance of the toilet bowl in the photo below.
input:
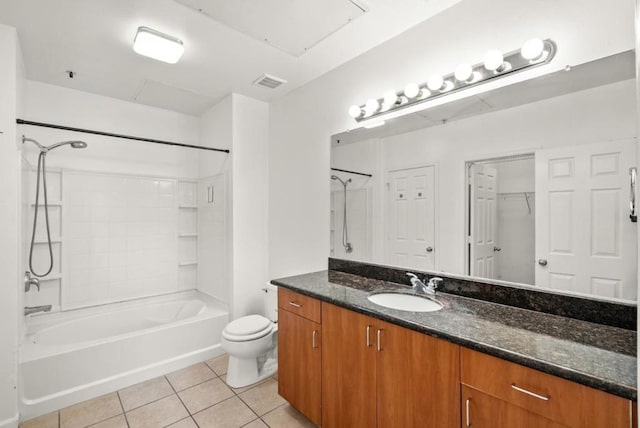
(251, 342)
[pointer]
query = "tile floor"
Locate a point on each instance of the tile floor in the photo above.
(195, 397)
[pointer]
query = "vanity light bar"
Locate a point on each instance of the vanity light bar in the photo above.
(535, 52)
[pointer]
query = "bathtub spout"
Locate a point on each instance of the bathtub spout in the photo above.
(28, 310)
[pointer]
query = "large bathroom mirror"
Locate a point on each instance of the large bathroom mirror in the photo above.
(527, 184)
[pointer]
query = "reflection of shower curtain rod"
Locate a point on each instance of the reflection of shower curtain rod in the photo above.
(351, 172)
(109, 134)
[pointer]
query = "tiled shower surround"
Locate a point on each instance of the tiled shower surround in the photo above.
(117, 237)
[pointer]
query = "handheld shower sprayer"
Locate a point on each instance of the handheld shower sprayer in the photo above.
(42, 172)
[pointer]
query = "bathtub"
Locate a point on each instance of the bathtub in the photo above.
(73, 356)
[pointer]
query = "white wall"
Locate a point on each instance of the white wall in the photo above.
(214, 271)
(250, 204)
(302, 122)
(240, 123)
(9, 226)
(63, 106)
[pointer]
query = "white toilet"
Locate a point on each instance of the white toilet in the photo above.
(252, 344)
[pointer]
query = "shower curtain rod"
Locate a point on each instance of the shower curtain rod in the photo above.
(351, 172)
(110, 134)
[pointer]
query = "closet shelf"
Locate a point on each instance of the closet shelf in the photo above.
(50, 203)
(55, 240)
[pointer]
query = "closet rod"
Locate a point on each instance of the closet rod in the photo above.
(351, 172)
(110, 134)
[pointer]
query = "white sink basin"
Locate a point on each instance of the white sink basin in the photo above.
(405, 302)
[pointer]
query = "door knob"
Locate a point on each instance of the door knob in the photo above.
(496, 249)
(429, 249)
(542, 262)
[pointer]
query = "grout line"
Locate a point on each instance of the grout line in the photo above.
(153, 401)
(250, 408)
(213, 405)
(179, 420)
(195, 422)
(122, 407)
(180, 398)
(250, 422)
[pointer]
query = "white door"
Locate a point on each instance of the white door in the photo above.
(585, 241)
(411, 218)
(482, 231)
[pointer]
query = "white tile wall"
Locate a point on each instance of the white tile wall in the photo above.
(116, 237)
(121, 237)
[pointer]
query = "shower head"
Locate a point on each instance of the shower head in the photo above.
(75, 144)
(344, 183)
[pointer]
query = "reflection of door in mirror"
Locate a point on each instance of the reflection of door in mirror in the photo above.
(411, 218)
(482, 235)
(501, 213)
(585, 241)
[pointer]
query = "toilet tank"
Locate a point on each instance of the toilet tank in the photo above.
(271, 302)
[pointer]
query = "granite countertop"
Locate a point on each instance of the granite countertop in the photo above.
(595, 355)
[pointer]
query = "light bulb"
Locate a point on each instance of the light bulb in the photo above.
(464, 72)
(390, 98)
(493, 60)
(435, 82)
(355, 111)
(532, 49)
(411, 90)
(371, 106)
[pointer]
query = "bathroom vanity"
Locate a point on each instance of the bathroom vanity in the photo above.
(345, 361)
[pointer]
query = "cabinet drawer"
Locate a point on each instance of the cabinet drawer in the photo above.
(299, 304)
(554, 398)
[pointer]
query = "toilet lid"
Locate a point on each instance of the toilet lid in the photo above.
(249, 325)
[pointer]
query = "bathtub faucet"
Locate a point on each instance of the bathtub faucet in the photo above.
(29, 281)
(28, 310)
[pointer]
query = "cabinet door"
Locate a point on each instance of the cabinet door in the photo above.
(554, 398)
(483, 411)
(418, 381)
(299, 364)
(348, 369)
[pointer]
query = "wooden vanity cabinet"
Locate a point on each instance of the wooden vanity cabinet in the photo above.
(376, 374)
(501, 394)
(299, 352)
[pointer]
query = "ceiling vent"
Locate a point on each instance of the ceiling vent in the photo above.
(269, 81)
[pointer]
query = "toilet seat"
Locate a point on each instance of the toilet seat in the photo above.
(247, 328)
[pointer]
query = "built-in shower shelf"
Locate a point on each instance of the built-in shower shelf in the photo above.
(44, 241)
(50, 203)
(190, 207)
(188, 263)
(187, 235)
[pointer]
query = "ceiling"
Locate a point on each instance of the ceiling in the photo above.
(228, 43)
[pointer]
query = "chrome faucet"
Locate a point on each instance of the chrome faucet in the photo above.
(28, 310)
(420, 287)
(29, 281)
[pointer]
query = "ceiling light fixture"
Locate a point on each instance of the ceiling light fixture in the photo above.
(495, 64)
(157, 45)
